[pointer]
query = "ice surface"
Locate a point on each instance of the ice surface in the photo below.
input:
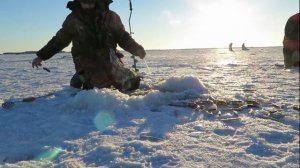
(106, 128)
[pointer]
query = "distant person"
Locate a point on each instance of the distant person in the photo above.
(230, 47)
(244, 47)
(95, 31)
(291, 42)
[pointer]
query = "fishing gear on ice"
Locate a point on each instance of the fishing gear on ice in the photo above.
(11, 103)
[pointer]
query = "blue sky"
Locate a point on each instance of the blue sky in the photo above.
(158, 24)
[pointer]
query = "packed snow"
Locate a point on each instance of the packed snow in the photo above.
(158, 125)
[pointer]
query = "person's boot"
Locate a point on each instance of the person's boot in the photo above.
(76, 81)
(87, 86)
(132, 84)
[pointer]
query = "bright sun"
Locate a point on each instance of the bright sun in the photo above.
(217, 23)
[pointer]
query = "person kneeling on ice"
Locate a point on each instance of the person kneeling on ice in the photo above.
(244, 47)
(95, 31)
(291, 42)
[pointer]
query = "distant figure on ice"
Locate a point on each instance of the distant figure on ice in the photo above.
(95, 31)
(244, 47)
(291, 42)
(230, 47)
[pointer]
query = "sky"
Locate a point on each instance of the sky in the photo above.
(157, 24)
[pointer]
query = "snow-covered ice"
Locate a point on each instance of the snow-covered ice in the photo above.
(106, 128)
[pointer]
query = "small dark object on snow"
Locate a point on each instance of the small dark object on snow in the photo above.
(8, 105)
(296, 107)
(46, 69)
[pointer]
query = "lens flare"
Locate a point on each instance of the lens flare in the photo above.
(103, 120)
(49, 155)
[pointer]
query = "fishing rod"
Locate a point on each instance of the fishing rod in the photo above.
(11, 103)
(131, 33)
(131, 9)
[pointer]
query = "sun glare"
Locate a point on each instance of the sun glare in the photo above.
(216, 23)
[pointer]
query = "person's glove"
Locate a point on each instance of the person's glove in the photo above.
(37, 62)
(141, 53)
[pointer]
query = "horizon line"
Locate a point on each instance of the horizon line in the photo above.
(63, 51)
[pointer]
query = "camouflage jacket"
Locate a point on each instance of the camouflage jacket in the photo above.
(91, 39)
(291, 33)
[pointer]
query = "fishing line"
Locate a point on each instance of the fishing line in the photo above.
(147, 65)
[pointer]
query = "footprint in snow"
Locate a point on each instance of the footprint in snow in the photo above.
(151, 137)
(224, 132)
(277, 137)
(261, 150)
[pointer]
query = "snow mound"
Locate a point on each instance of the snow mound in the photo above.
(181, 84)
(167, 91)
(91, 100)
